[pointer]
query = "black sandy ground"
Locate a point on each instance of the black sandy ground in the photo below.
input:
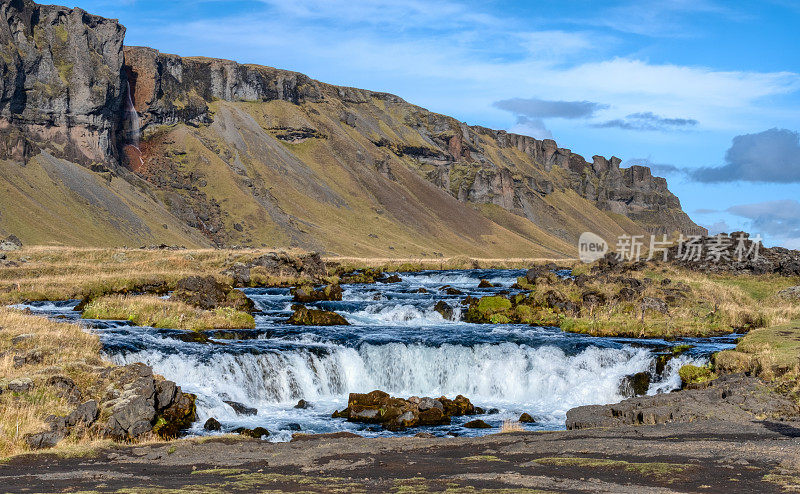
(706, 456)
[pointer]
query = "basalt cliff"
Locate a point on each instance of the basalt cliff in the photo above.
(102, 144)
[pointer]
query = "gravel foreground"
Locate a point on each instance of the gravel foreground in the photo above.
(704, 456)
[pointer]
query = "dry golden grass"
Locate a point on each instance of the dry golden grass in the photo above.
(457, 262)
(149, 310)
(717, 304)
(511, 426)
(61, 273)
(65, 349)
(771, 353)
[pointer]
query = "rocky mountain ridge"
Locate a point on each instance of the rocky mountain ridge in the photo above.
(236, 154)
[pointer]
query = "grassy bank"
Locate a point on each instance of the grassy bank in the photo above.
(61, 273)
(33, 350)
(148, 310)
(772, 354)
(697, 304)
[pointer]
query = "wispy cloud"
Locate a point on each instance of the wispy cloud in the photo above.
(648, 121)
(539, 108)
(664, 18)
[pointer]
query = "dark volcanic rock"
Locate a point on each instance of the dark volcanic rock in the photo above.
(240, 408)
(279, 265)
(444, 309)
(207, 293)
(477, 424)
(733, 398)
(139, 402)
(10, 243)
(635, 384)
(212, 424)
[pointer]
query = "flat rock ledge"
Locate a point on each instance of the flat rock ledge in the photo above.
(732, 398)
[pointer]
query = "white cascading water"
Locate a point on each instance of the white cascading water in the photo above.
(541, 380)
(132, 125)
(399, 315)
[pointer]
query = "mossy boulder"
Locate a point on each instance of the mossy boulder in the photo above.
(207, 293)
(307, 294)
(378, 407)
(304, 316)
(487, 307)
(177, 417)
(692, 374)
(361, 276)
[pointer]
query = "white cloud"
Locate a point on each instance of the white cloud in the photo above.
(457, 58)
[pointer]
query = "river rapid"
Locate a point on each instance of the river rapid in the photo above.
(396, 343)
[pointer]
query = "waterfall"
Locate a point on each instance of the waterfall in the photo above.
(132, 124)
(132, 130)
(543, 380)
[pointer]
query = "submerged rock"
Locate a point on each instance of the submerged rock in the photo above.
(303, 404)
(444, 309)
(477, 424)
(256, 433)
(212, 424)
(635, 384)
(304, 316)
(240, 408)
(485, 284)
(395, 278)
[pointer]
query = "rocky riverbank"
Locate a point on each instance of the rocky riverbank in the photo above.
(702, 456)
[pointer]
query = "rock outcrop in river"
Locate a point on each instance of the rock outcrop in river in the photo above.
(377, 407)
(201, 151)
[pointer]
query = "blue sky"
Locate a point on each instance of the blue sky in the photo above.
(707, 91)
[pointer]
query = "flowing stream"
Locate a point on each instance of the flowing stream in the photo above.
(396, 343)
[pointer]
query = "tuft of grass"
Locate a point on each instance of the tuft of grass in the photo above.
(511, 426)
(148, 310)
(691, 374)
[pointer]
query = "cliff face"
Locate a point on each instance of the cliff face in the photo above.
(61, 89)
(248, 155)
(459, 159)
